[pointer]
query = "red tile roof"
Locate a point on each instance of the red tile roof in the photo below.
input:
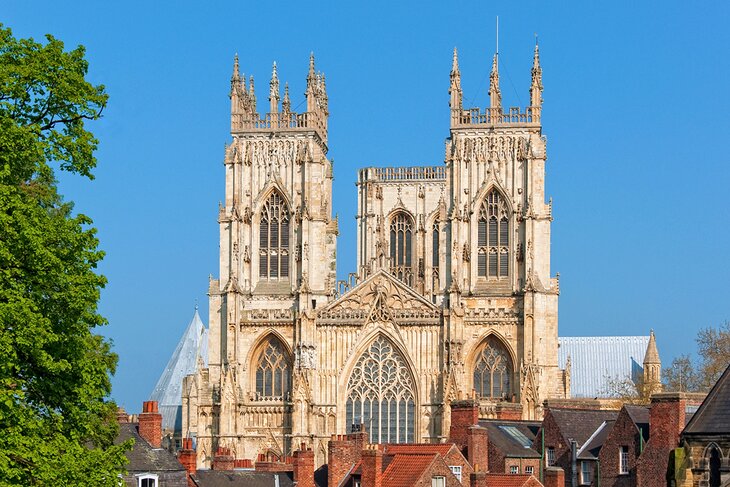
(405, 469)
(417, 448)
(510, 480)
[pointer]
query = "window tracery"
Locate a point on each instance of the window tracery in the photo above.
(381, 395)
(273, 371)
(493, 370)
(274, 238)
(493, 237)
(401, 249)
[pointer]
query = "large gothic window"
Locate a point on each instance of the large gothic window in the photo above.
(274, 238)
(493, 237)
(493, 370)
(273, 371)
(381, 395)
(401, 249)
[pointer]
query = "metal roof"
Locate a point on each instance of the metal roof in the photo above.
(596, 360)
(184, 361)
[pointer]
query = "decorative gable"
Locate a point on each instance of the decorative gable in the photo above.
(380, 298)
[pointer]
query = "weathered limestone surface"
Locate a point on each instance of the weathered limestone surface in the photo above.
(453, 271)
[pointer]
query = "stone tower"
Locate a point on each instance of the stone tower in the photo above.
(652, 367)
(452, 297)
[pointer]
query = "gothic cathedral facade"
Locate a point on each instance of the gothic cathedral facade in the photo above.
(452, 298)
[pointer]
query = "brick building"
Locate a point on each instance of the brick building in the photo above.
(703, 459)
(511, 446)
(564, 433)
(623, 446)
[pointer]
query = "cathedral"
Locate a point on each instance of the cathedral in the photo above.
(452, 298)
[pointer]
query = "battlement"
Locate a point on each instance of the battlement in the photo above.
(400, 174)
(244, 122)
(474, 117)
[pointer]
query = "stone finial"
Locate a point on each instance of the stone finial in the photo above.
(236, 73)
(286, 103)
(251, 94)
(495, 94)
(455, 63)
(536, 86)
(274, 91)
(455, 94)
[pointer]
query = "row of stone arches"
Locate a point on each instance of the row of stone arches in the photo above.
(381, 391)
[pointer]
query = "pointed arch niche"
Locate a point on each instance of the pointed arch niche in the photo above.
(493, 369)
(381, 394)
(274, 238)
(273, 366)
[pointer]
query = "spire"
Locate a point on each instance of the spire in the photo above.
(274, 91)
(495, 94)
(312, 85)
(536, 86)
(455, 94)
(236, 73)
(286, 103)
(652, 354)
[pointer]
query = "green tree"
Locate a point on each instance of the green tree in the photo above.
(57, 424)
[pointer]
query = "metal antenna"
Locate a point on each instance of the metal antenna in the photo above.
(497, 34)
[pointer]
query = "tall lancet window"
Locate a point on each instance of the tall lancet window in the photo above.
(435, 247)
(381, 395)
(274, 238)
(493, 237)
(272, 371)
(493, 370)
(401, 249)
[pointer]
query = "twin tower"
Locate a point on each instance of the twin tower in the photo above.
(452, 297)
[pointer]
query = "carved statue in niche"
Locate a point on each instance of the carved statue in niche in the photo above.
(246, 254)
(467, 253)
(378, 192)
(247, 215)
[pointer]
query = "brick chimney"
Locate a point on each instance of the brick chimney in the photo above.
(509, 411)
(343, 451)
(223, 460)
(477, 447)
(554, 477)
(188, 458)
(122, 416)
(478, 478)
(666, 422)
(150, 424)
(463, 415)
(372, 467)
(304, 467)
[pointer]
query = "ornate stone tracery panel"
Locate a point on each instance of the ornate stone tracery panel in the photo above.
(381, 395)
(493, 370)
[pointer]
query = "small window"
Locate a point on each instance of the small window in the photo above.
(529, 470)
(586, 473)
(147, 480)
(514, 469)
(623, 460)
(550, 457)
(438, 481)
(456, 470)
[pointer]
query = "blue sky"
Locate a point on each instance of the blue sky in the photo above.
(636, 114)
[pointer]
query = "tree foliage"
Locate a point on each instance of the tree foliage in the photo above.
(58, 426)
(688, 375)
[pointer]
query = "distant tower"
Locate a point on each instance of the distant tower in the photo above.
(652, 366)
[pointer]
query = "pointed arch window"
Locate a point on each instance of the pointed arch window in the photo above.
(274, 238)
(273, 371)
(493, 260)
(435, 247)
(401, 247)
(493, 370)
(381, 395)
